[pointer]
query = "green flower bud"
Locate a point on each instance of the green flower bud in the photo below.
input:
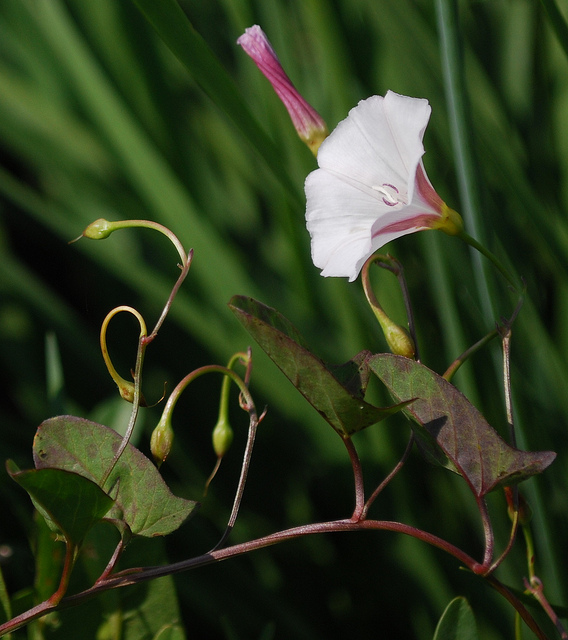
(399, 341)
(222, 437)
(161, 441)
(99, 229)
(126, 390)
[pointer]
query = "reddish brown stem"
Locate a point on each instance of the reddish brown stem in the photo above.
(358, 477)
(134, 576)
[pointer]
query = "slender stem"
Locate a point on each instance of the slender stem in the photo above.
(398, 270)
(358, 478)
(472, 242)
(510, 543)
(112, 562)
(125, 387)
(149, 224)
(248, 404)
(253, 426)
(488, 533)
(141, 575)
(535, 587)
(390, 476)
(70, 554)
(190, 377)
(167, 307)
(134, 576)
(399, 340)
(529, 543)
(457, 363)
(518, 605)
(134, 412)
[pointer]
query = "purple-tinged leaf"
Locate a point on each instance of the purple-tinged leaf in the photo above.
(70, 503)
(452, 431)
(336, 392)
(143, 502)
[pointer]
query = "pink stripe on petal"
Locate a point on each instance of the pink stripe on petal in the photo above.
(418, 223)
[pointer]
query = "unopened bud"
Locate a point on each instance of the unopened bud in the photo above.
(161, 441)
(307, 121)
(399, 341)
(99, 229)
(127, 390)
(222, 437)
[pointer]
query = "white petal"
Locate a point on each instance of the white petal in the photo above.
(368, 162)
(340, 219)
(379, 142)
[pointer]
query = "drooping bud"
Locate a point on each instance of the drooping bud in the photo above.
(222, 437)
(161, 440)
(127, 391)
(398, 339)
(308, 123)
(99, 229)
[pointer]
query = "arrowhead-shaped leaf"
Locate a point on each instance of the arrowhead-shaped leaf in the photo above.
(451, 430)
(143, 501)
(70, 503)
(336, 392)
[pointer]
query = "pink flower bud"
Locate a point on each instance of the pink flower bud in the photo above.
(308, 123)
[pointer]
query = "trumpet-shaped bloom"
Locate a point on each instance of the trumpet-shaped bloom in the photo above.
(371, 186)
(308, 123)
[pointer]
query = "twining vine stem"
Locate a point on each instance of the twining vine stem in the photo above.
(133, 576)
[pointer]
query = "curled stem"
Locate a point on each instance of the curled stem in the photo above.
(399, 341)
(394, 266)
(125, 387)
(254, 420)
(135, 408)
(101, 229)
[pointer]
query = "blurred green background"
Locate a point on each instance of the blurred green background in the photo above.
(98, 118)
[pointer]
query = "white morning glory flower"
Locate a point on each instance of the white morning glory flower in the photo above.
(371, 186)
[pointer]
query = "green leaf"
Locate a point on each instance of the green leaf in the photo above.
(69, 502)
(457, 622)
(143, 502)
(451, 430)
(336, 392)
